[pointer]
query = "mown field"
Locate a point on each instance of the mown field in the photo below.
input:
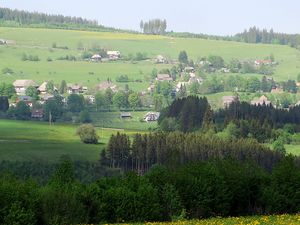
(39, 42)
(37, 141)
(255, 220)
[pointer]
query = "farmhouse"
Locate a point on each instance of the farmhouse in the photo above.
(263, 100)
(262, 62)
(163, 77)
(22, 85)
(105, 85)
(96, 58)
(189, 69)
(113, 55)
(161, 59)
(74, 89)
(3, 42)
(180, 84)
(26, 99)
(151, 88)
(125, 115)
(151, 116)
(37, 113)
(228, 100)
(43, 88)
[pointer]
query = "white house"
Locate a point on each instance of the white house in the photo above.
(96, 58)
(113, 55)
(22, 85)
(151, 116)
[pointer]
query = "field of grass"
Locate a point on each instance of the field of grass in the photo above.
(39, 42)
(255, 220)
(112, 120)
(37, 141)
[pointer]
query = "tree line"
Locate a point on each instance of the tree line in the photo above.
(155, 26)
(255, 35)
(9, 17)
(177, 148)
(192, 191)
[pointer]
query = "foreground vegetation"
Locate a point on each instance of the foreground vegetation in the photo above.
(254, 220)
(191, 191)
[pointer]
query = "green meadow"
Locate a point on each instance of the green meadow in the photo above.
(39, 42)
(38, 141)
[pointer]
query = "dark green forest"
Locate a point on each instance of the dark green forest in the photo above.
(221, 187)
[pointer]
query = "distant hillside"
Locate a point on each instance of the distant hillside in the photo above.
(20, 18)
(252, 35)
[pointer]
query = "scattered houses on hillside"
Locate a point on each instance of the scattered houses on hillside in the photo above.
(228, 100)
(262, 62)
(263, 100)
(151, 116)
(103, 86)
(163, 77)
(189, 69)
(22, 85)
(113, 55)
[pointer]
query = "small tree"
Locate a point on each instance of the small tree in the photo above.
(87, 134)
(278, 146)
(4, 105)
(183, 57)
(85, 117)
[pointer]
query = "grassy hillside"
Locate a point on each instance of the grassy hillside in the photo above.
(39, 42)
(37, 141)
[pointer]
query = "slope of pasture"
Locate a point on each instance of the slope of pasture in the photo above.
(37, 141)
(39, 42)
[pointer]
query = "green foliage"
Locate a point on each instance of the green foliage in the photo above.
(53, 108)
(183, 57)
(20, 112)
(84, 116)
(87, 134)
(76, 103)
(120, 100)
(4, 105)
(32, 92)
(134, 100)
(278, 146)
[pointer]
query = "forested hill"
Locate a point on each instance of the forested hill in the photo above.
(252, 35)
(20, 18)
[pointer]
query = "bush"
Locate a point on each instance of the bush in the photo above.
(87, 134)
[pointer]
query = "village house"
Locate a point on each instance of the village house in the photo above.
(90, 98)
(161, 59)
(276, 90)
(43, 88)
(228, 100)
(262, 62)
(74, 89)
(263, 100)
(96, 58)
(163, 77)
(151, 88)
(151, 116)
(37, 113)
(103, 86)
(22, 85)
(3, 42)
(179, 85)
(113, 55)
(189, 69)
(27, 99)
(125, 115)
